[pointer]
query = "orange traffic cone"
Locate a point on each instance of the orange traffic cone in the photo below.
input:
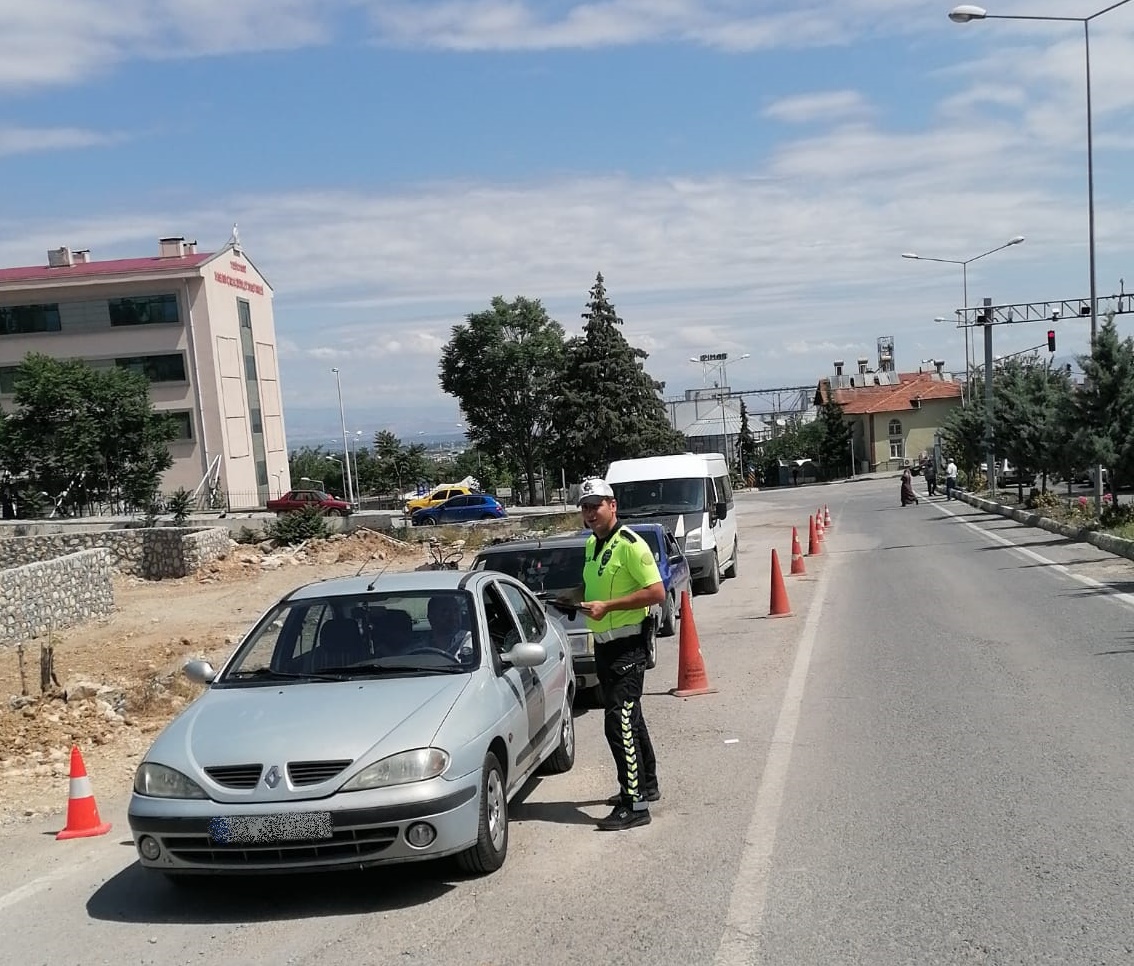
(691, 676)
(779, 605)
(826, 518)
(819, 532)
(813, 548)
(82, 812)
(796, 554)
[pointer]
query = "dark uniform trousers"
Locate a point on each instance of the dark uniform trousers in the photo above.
(621, 669)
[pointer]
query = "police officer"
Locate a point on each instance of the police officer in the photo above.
(620, 583)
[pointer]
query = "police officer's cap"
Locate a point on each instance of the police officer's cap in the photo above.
(595, 488)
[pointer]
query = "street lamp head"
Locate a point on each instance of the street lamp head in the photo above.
(910, 255)
(1018, 240)
(747, 355)
(942, 318)
(966, 12)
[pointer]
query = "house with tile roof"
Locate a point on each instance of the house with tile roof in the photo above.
(895, 416)
(198, 325)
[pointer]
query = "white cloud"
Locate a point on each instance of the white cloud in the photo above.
(819, 106)
(29, 140)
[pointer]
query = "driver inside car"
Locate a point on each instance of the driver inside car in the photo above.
(447, 629)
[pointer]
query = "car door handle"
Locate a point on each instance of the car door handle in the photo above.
(562, 655)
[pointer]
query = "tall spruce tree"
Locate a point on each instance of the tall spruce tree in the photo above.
(1102, 411)
(608, 406)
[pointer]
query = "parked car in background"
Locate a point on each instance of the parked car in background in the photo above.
(460, 509)
(675, 572)
(436, 497)
(548, 567)
(295, 500)
(394, 718)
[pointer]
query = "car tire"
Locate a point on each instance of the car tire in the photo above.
(652, 650)
(491, 847)
(428, 522)
(669, 616)
(712, 583)
(487, 516)
(563, 758)
(730, 570)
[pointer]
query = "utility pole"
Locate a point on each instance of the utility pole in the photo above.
(990, 454)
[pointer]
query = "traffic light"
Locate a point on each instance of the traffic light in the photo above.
(1051, 340)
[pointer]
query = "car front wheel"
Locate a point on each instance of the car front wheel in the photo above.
(669, 616)
(491, 847)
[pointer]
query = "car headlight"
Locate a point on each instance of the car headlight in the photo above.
(400, 769)
(693, 541)
(158, 781)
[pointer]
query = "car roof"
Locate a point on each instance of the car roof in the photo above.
(415, 580)
(536, 543)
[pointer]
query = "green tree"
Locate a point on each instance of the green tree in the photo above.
(1030, 402)
(608, 407)
(1102, 410)
(502, 367)
(746, 442)
(963, 433)
(85, 436)
(833, 449)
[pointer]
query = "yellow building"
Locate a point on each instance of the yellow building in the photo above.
(199, 325)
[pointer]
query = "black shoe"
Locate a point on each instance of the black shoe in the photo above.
(652, 795)
(623, 817)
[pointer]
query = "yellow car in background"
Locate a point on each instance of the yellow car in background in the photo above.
(436, 497)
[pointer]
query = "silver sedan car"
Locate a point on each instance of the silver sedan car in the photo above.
(362, 721)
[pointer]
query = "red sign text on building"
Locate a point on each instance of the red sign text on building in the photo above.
(241, 283)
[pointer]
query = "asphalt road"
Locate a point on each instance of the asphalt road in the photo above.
(927, 763)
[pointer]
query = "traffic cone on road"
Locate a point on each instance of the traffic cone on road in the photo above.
(778, 605)
(819, 532)
(691, 676)
(82, 812)
(826, 518)
(813, 548)
(797, 567)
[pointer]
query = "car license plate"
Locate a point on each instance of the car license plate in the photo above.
(281, 827)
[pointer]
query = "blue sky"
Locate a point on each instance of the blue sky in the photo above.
(745, 173)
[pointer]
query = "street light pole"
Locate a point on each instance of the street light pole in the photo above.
(966, 13)
(964, 263)
(346, 442)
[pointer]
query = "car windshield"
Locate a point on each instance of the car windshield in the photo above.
(369, 635)
(652, 497)
(545, 568)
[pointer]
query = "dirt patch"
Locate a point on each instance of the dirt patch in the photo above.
(119, 679)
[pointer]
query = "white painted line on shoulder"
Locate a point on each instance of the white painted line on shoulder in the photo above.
(29, 889)
(740, 944)
(1116, 595)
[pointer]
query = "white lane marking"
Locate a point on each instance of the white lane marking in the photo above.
(29, 889)
(740, 944)
(1121, 596)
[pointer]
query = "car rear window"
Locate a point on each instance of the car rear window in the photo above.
(539, 568)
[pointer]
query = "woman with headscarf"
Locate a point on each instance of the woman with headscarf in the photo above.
(908, 495)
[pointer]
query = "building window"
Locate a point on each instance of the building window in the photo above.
(897, 450)
(256, 418)
(895, 427)
(244, 312)
(146, 310)
(183, 420)
(165, 368)
(24, 319)
(8, 378)
(261, 473)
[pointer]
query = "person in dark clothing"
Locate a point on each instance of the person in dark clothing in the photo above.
(931, 478)
(908, 495)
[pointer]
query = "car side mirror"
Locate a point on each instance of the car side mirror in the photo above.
(200, 671)
(525, 655)
(721, 510)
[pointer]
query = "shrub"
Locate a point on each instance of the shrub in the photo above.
(179, 505)
(246, 535)
(1042, 501)
(292, 528)
(1116, 515)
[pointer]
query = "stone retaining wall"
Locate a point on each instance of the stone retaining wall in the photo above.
(151, 553)
(49, 595)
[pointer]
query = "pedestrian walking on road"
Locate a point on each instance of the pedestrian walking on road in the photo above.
(930, 472)
(908, 495)
(621, 582)
(950, 479)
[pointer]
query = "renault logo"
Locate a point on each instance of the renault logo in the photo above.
(272, 779)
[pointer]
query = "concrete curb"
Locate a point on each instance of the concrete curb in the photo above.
(1104, 541)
